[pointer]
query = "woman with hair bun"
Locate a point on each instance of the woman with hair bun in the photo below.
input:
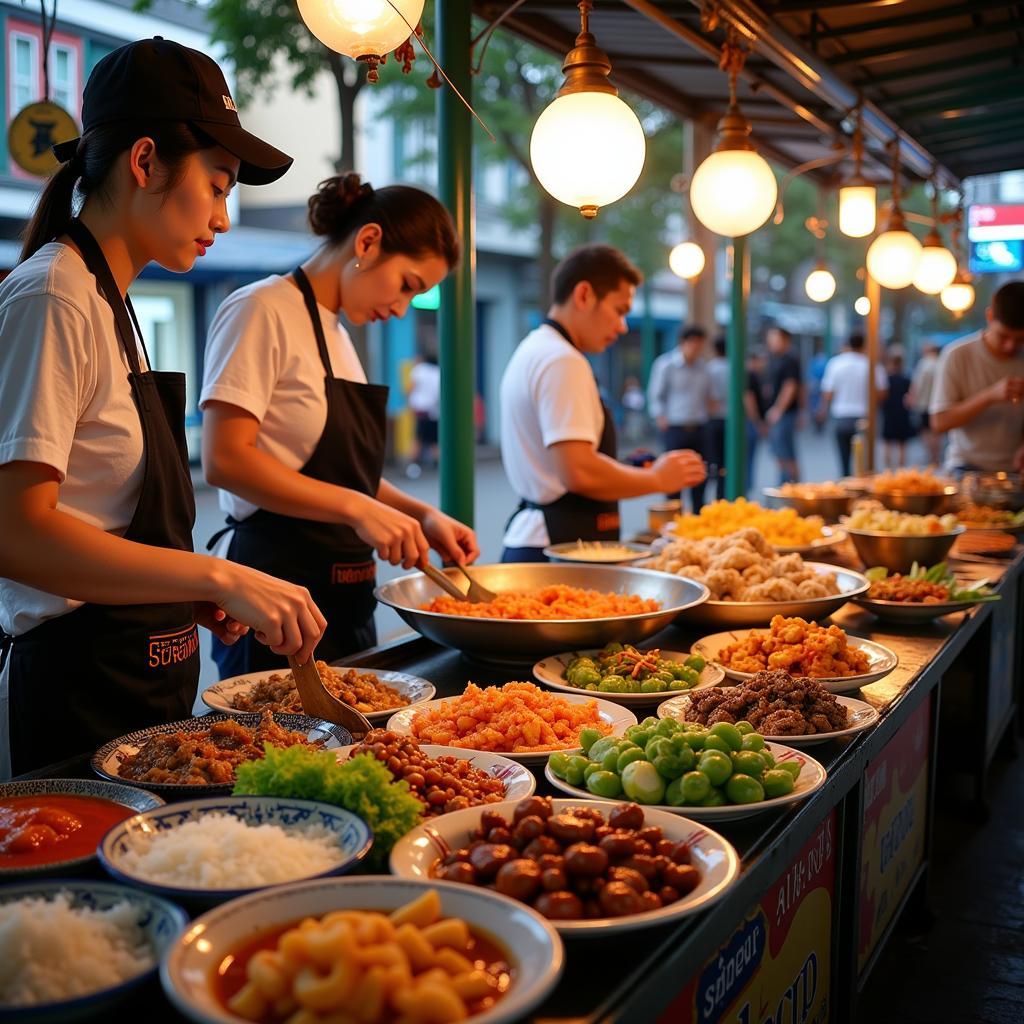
(294, 436)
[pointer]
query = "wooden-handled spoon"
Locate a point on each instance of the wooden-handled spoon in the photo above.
(318, 702)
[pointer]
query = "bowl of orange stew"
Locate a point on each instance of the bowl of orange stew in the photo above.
(378, 948)
(54, 826)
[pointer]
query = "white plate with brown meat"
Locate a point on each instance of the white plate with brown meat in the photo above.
(784, 708)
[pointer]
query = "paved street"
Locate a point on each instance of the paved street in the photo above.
(495, 500)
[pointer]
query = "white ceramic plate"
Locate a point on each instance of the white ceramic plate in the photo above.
(812, 777)
(550, 671)
(416, 853)
(220, 695)
(614, 715)
(861, 716)
(519, 781)
(912, 613)
(531, 946)
(881, 660)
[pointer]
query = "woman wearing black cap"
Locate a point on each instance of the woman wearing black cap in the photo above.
(100, 590)
(294, 435)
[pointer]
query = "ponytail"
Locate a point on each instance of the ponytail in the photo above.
(53, 211)
(89, 172)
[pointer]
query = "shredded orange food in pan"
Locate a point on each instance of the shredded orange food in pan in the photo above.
(514, 718)
(555, 602)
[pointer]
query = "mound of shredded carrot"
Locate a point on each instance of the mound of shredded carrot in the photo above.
(514, 718)
(555, 602)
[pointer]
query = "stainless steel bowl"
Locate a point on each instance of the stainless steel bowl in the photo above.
(750, 614)
(518, 641)
(919, 504)
(829, 508)
(998, 490)
(898, 551)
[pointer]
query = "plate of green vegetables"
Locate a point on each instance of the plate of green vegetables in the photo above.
(921, 595)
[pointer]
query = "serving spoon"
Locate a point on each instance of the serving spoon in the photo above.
(318, 702)
(477, 592)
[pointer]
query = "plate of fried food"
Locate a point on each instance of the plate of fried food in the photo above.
(827, 499)
(825, 653)
(922, 595)
(917, 491)
(518, 720)
(786, 531)
(982, 517)
(446, 779)
(374, 692)
(199, 755)
(779, 706)
(750, 581)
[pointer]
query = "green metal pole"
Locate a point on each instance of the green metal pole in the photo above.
(827, 338)
(736, 421)
(456, 313)
(648, 336)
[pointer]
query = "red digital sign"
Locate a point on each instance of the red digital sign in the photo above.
(990, 223)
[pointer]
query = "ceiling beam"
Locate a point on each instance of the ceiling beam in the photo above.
(895, 21)
(985, 57)
(894, 51)
(958, 127)
(807, 6)
(958, 104)
(953, 88)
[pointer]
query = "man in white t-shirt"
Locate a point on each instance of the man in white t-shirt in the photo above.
(557, 438)
(844, 391)
(979, 387)
(425, 402)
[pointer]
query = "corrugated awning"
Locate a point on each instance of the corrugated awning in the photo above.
(946, 77)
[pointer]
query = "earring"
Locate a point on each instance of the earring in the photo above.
(358, 265)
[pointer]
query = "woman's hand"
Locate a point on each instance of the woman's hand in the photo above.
(226, 629)
(452, 540)
(396, 537)
(281, 615)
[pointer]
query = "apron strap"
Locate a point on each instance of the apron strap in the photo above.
(128, 330)
(6, 643)
(229, 524)
(300, 278)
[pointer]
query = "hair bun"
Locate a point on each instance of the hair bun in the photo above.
(334, 199)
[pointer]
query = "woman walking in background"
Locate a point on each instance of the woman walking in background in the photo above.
(897, 425)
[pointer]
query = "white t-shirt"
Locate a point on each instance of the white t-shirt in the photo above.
(65, 401)
(846, 380)
(261, 355)
(425, 392)
(991, 439)
(548, 395)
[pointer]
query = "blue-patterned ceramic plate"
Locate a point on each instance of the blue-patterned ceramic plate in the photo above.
(160, 921)
(220, 697)
(353, 836)
(107, 760)
(133, 799)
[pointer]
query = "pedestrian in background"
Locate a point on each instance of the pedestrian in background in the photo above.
(678, 399)
(781, 383)
(718, 371)
(922, 384)
(815, 373)
(755, 407)
(424, 398)
(897, 423)
(634, 416)
(844, 392)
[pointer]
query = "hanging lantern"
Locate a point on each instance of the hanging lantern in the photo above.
(587, 147)
(958, 296)
(862, 306)
(820, 284)
(734, 191)
(894, 255)
(857, 203)
(365, 30)
(937, 267)
(686, 260)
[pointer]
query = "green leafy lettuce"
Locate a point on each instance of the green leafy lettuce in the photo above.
(361, 785)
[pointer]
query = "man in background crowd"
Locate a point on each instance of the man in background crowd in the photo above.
(781, 382)
(718, 371)
(922, 385)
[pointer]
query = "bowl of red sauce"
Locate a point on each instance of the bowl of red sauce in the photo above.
(55, 825)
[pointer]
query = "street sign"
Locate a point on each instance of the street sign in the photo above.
(34, 131)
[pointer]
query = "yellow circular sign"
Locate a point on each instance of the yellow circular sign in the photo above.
(34, 130)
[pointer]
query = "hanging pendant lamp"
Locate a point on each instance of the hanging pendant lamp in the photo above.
(588, 147)
(857, 196)
(893, 257)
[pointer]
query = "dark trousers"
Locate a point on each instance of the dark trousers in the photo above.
(715, 455)
(523, 555)
(846, 429)
(695, 438)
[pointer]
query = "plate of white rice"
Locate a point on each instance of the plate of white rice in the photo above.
(203, 852)
(71, 950)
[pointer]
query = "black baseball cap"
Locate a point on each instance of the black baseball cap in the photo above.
(161, 80)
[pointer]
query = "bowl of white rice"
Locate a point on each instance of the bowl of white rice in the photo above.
(72, 950)
(206, 851)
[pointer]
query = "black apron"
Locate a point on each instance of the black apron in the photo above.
(100, 671)
(573, 516)
(328, 559)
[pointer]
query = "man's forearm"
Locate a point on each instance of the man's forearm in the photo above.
(960, 414)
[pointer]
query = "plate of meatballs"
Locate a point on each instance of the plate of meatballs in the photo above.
(782, 707)
(591, 867)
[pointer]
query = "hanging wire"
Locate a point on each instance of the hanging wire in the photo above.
(49, 23)
(441, 71)
(486, 34)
